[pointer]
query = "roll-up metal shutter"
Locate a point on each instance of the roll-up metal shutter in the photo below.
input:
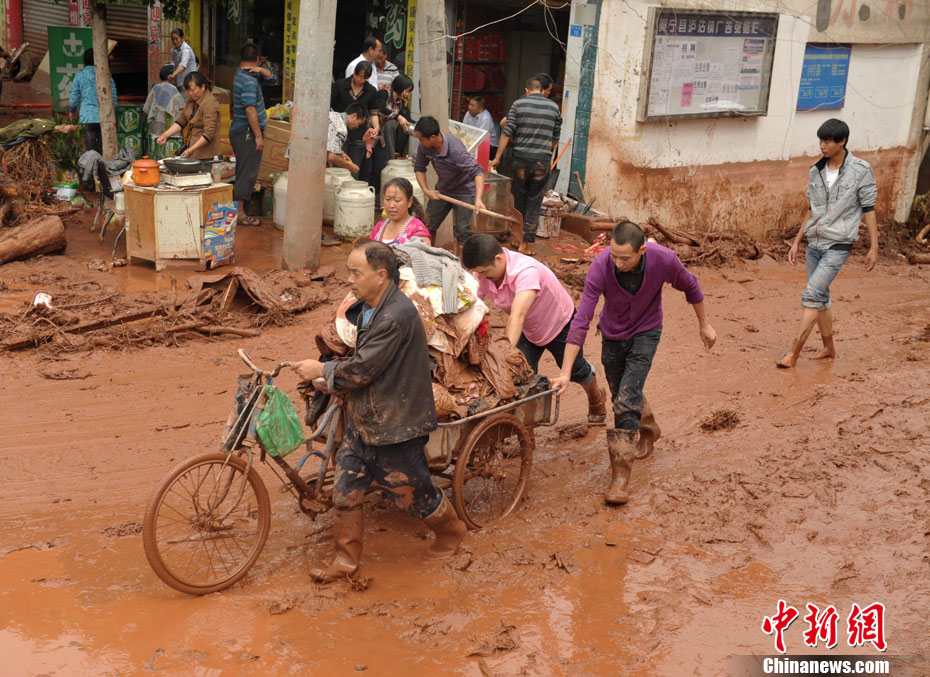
(38, 15)
(128, 25)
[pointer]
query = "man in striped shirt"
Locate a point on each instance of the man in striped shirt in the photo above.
(534, 123)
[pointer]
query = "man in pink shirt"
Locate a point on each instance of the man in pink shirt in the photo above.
(540, 310)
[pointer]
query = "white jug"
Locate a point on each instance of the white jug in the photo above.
(280, 200)
(355, 209)
(333, 177)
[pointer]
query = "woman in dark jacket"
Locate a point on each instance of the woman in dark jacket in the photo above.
(202, 115)
(359, 145)
(395, 115)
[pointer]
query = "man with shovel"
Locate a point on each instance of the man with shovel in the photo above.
(459, 176)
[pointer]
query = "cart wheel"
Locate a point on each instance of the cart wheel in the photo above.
(206, 523)
(492, 470)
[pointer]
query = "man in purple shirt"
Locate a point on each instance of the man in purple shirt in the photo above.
(631, 323)
(458, 175)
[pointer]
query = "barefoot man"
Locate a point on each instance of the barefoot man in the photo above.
(841, 192)
(631, 281)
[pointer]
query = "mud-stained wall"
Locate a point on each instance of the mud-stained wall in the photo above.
(750, 173)
(756, 198)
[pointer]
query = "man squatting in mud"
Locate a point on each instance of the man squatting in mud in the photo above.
(390, 410)
(841, 192)
(631, 280)
(540, 310)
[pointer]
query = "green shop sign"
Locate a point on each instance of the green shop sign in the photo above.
(66, 47)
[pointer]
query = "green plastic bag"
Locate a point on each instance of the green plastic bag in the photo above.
(278, 426)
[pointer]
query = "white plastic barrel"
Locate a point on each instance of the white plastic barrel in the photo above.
(355, 209)
(280, 200)
(332, 178)
(402, 168)
(393, 168)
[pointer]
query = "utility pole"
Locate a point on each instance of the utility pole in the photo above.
(102, 76)
(303, 223)
(431, 45)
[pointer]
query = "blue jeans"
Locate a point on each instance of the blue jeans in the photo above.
(400, 469)
(626, 366)
(822, 266)
(582, 371)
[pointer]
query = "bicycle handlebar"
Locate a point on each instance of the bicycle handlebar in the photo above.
(269, 374)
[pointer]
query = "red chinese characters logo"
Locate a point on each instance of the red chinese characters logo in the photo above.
(820, 626)
(867, 625)
(778, 623)
(863, 625)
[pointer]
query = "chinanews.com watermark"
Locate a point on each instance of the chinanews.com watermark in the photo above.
(821, 628)
(753, 666)
(822, 665)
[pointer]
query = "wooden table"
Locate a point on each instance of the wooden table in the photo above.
(166, 224)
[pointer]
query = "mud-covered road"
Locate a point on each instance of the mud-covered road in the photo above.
(821, 494)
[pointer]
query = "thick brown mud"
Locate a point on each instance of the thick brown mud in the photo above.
(819, 493)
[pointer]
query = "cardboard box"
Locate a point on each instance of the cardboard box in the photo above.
(277, 136)
(131, 141)
(129, 119)
(219, 235)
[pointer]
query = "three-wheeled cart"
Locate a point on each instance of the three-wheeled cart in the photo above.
(207, 520)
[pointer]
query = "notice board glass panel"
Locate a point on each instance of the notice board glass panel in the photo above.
(823, 77)
(704, 63)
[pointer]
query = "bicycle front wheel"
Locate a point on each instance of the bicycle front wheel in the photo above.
(206, 523)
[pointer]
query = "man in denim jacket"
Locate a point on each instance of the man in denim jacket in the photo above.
(841, 193)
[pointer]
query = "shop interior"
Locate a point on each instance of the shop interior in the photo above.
(263, 22)
(496, 59)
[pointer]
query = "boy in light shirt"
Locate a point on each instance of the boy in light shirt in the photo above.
(540, 310)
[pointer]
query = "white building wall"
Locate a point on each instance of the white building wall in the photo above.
(881, 97)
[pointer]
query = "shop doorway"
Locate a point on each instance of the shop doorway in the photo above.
(497, 58)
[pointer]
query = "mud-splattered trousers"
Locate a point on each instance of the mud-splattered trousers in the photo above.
(401, 469)
(626, 365)
(528, 187)
(822, 267)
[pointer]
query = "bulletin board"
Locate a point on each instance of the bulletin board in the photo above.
(703, 63)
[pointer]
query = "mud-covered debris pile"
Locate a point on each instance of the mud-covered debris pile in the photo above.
(90, 314)
(722, 419)
(708, 249)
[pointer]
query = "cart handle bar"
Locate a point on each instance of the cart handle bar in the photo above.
(267, 374)
(497, 410)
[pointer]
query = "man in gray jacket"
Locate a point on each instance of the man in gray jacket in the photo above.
(390, 410)
(841, 192)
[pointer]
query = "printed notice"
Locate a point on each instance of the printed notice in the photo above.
(659, 82)
(687, 92)
(751, 64)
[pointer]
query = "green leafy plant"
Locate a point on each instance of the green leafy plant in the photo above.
(66, 148)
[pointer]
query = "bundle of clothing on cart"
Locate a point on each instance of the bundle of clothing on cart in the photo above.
(474, 368)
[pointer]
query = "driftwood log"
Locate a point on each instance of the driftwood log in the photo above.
(675, 235)
(37, 236)
(918, 258)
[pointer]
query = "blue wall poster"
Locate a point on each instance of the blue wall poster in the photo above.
(823, 77)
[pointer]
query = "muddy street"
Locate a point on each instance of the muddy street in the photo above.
(807, 485)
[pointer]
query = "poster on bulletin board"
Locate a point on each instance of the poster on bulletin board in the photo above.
(823, 77)
(703, 63)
